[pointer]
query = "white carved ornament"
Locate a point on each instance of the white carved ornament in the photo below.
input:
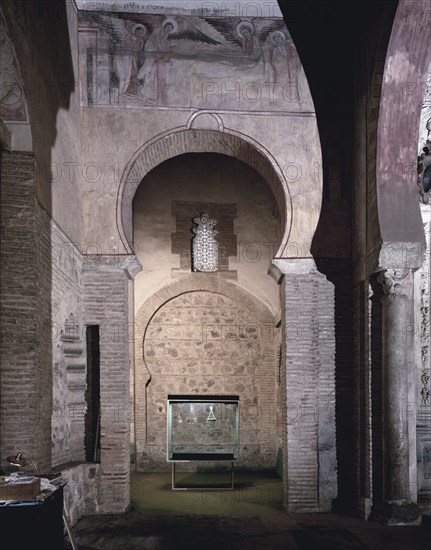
(205, 246)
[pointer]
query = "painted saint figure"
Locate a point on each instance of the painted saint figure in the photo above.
(126, 61)
(250, 41)
(284, 59)
(153, 73)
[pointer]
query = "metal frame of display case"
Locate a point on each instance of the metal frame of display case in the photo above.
(201, 456)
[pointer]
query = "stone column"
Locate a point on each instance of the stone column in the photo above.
(309, 451)
(106, 303)
(398, 408)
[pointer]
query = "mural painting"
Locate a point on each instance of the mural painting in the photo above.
(190, 62)
(13, 106)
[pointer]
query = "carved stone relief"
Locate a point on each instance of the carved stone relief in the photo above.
(394, 281)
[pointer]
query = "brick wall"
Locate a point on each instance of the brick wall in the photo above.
(106, 303)
(309, 452)
(42, 345)
(362, 398)
(26, 374)
(376, 358)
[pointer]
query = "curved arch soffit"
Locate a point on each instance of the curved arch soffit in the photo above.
(182, 140)
(406, 67)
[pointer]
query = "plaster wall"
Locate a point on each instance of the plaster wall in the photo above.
(107, 149)
(146, 76)
(68, 350)
(210, 178)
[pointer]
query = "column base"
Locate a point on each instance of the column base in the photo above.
(398, 512)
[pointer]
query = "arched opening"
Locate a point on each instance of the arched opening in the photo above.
(198, 333)
(182, 141)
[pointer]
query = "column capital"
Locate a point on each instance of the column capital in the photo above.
(100, 262)
(395, 281)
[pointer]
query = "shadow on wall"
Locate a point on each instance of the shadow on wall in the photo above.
(40, 34)
(39, 31)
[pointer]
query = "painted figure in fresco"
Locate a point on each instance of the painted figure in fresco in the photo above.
(11, 93)
(153, 73)
(284, 59)
(250, 40)
(126, 60)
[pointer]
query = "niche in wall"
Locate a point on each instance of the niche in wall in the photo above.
(206, 343)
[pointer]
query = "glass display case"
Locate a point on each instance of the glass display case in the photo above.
(203, 427)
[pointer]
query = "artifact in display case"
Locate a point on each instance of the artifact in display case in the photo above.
(203, 427)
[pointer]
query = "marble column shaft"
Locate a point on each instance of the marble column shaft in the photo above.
(398, 349)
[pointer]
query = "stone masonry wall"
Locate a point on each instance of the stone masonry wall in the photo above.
(206, 343)
(206, 336)
(81, 493)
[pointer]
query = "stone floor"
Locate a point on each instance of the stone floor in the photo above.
(251, 517)
(135, 531)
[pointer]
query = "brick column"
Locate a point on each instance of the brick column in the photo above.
(309, 451)
(362, 391)
(107, 284)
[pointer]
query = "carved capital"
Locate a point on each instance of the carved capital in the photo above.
(395, 281)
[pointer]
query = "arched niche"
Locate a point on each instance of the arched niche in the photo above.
(180, 141)
(249, 330)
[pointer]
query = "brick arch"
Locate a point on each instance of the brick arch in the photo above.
(194, 283)
(180, 141)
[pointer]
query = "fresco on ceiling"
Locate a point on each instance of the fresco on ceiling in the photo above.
(13, 106)
(189, 62)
